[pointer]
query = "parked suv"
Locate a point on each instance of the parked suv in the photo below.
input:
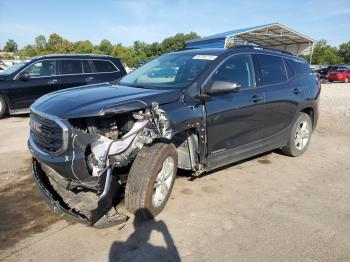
(128, 139)
(23, 83)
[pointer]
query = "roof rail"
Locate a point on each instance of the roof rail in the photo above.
(261, 47)
(99, 55)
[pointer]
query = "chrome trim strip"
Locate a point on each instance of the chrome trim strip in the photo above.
(81, 59)
(64, 133)
(19, 111)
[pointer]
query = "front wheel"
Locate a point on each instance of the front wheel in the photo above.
(300, 136)
(151, 179)
(2, 107)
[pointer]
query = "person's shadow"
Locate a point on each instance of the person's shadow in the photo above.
(137, 247)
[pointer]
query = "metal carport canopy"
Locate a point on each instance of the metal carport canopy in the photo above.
(272, 35)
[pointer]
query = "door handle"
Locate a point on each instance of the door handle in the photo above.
(296, 91)
(90, 78)
(256, 98)
(52, 81)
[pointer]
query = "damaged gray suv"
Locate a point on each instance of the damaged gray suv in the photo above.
(196, 110)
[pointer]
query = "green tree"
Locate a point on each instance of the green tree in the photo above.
(128, 55)
(177, 42)
(66, 47)
(40, 42)
(131, 56)
(83, 47)
(30, 51)
(344, 52)
(106, 47)
(10, 46)
(54, 43)
(325, 54)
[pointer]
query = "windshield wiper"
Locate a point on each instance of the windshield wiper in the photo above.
(135, 85)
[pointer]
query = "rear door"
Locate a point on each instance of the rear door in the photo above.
(43, 79)
(105, 70)
(71, 73)
(283, 92)
(235, 120)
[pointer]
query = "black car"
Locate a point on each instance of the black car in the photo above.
(128, 139)
(23, 83)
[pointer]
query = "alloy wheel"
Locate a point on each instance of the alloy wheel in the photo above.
(302, 135)
(163, 182)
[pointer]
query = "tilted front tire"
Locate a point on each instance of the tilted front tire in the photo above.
(300, 136)
(151, 179)
(3, 107)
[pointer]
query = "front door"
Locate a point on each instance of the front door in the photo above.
(42, 80)
(235, 120)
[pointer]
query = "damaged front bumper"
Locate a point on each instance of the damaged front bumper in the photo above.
(84, 181)
(102, 215)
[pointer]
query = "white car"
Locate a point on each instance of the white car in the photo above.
(3, 66)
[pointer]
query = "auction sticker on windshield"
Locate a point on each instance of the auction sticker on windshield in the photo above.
(205, 57)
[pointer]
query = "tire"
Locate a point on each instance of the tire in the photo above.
(300, 136)
(140, 190)
(3, 107)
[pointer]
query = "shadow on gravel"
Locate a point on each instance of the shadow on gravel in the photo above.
(137, 246)
(22, 212)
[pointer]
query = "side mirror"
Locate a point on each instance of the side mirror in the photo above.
(219, 87)
(24, 76)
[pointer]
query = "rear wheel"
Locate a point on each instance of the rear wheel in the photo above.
(300, 136)
(151, 179)
(3, 107)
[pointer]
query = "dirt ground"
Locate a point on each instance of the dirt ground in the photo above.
(268, 208)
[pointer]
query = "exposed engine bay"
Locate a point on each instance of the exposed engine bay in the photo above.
(115, 142)
(121, 136)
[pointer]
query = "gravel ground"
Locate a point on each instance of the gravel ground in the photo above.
(268, 208)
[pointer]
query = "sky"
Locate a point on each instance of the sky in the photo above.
(125, 21)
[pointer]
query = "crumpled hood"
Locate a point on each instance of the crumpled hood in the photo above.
(99, 99)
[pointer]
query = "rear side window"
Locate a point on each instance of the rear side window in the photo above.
(103, 66)
(69, 67)
(299, 66)
(86, 66)
(271, 69)
(289, 69)
(237, 69)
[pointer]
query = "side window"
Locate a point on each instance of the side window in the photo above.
(272, 69)
(86, 66)
(290, 70)
(42, 68)
(103, 66)
(237, 69)
(69, 67)
(300, 66)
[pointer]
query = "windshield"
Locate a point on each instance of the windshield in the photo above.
(176, 70)
(14, 68)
